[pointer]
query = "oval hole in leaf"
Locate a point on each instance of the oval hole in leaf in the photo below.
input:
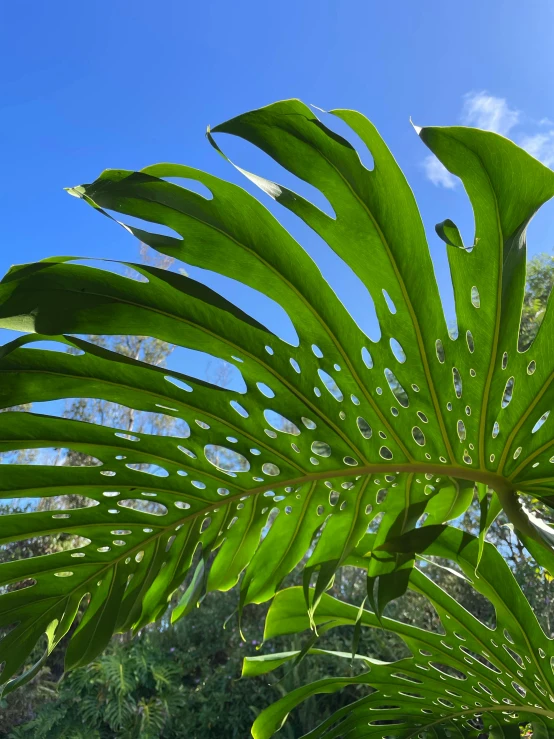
(367, 358)
(381, 495)
(149, 469)
(457, 380)
(396, 388)
(418, 435)
(364, 427)
(186, 451)
(179, 383)
(321, 448)
(331, 385)
(239, 409)
(265, 390)
(461, 430)
(280, 423)
(144, 506)
(389, 301)
(514, 655)
(294, 364)
(129, 437)
(540, 422)
(447, 670)
(227, 460)
(508, 392)
(397, 350)
(350, 461)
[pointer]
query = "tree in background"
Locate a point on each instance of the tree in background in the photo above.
(540, 277)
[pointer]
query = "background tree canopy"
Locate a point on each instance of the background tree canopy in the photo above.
(326, 469)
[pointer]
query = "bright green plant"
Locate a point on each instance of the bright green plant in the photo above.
(468, 680)
(125, 694)
(331, 432)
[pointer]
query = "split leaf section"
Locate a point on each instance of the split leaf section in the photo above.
(333, 437)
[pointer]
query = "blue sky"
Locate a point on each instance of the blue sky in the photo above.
(121, 84)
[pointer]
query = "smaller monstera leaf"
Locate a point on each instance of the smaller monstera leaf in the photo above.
(330, 430)
(469, 680)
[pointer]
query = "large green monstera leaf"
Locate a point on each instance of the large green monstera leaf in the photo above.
(334, 435)
(468, 680)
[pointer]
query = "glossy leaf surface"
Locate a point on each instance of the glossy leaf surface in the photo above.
(466, 681)
(331, 430)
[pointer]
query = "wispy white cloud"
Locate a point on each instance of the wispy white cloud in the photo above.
(438, 174)
(488, 112)
(540, 146)
(482, 110)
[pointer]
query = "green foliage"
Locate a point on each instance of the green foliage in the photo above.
(328, 442)
(202, 665)
(469, 678)
(125, 693)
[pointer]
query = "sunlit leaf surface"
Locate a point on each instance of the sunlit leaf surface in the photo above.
(335, 435)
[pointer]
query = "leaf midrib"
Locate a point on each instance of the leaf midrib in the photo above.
(83, 585)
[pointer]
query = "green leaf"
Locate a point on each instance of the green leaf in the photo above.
(490, 508)
(191, 595)
(261, 665)
(325, 426)
(449, 233)
(469, 679)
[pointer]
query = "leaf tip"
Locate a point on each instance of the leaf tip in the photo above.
(76, 192)
(417, 129)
